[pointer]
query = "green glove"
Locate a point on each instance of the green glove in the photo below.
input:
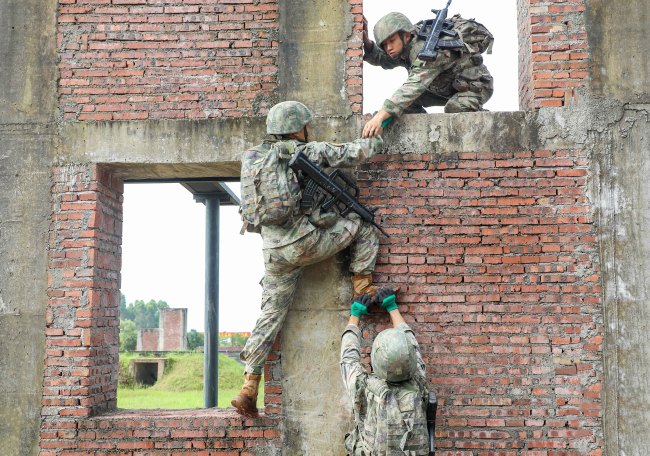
(386, 298)
(360, 305)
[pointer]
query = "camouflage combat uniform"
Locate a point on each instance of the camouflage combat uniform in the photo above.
(457, 80)
(364, 440)
(300, 242)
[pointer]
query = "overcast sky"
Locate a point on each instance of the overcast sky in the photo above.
(164, 229)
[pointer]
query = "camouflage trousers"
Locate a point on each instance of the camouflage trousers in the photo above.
(474, 88)
(283, 267)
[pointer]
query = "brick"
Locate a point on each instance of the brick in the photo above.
(495, 253)
(136, 40)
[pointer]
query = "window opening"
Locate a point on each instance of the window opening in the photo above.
(163, 298)
(501, 21)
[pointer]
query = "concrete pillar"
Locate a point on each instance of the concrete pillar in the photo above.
(27, 112)
(313, 45)
(312, 54)
(618, 39)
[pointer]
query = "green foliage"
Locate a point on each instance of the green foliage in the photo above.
(128, 335)
(143, 314)
(195, 339)
(182, 384)
(232, 339)
(146, 398)
(187, 373)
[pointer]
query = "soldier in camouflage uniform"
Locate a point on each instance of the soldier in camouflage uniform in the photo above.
(457, 79)
(390, 403)
(304, 240)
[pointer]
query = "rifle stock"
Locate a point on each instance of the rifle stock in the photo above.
(438, 26)
(339, 195)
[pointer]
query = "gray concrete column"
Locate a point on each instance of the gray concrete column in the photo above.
(27, 112)
(620, 51)
(313, 45)
(312, 54)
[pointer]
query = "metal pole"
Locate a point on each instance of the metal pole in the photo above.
(211, 341)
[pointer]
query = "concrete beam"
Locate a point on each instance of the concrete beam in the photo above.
(187, 146)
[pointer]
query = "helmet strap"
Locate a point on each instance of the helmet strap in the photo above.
(304, 129)
(402, 34)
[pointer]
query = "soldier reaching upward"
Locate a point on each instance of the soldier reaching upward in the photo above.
(294, 237)
(390, 404)
(457, 79)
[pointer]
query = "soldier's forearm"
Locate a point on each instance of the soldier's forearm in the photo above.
(396, 318)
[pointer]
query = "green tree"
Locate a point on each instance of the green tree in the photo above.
(239, 339)
(195, 339)
(128, 335)
(144, 314)
(126, 312)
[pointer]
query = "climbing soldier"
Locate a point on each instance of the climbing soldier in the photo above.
(294, 236)
(390, 405)
(456, 78)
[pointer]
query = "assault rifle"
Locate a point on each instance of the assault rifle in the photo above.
(432, 29)
(335, 185)
(432, 408)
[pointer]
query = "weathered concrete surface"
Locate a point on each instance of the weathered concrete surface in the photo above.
(27, 112)
(162, 149)
(27, 61)
(621, 161)
(311, 65)
(619, 44)
(618, 40)
(313, 398)
(487, 131)
(21, 364)
(24, 222)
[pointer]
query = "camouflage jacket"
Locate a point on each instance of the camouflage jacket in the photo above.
(358, 385)
(324, 154)
(436, 77)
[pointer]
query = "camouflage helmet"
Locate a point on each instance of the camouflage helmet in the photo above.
(391, 23)
(287, 117)
(393, 356)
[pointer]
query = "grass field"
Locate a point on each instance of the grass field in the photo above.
(181, 386)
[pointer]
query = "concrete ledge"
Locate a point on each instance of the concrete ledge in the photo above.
(168, 149)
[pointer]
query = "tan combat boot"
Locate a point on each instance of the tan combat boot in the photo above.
(246, 401)
(363, 284)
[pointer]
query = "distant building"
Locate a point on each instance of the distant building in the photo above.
(171, 334)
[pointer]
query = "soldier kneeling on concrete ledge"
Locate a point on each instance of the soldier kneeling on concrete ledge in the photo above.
(390, 404)
(457, 79)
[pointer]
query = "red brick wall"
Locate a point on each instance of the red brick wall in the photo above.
(148, 339)
(173, 329)
(496, 256)
(80, 380)
(168, 433)
(553, 54)
(149, 59)
(84, 296)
